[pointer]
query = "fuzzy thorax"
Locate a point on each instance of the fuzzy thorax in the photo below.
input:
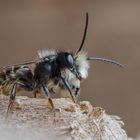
(46, 53)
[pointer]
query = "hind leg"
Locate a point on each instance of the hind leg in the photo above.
(12, 102)
(12, 97)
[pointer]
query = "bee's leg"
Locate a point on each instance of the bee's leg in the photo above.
(77, 92)
(1, 90)
(47, 92)
(50, 103)
(35, 93)
(12, 97)
(69, 89)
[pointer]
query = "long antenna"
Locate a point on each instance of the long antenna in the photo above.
(106, 60)
(84, 35)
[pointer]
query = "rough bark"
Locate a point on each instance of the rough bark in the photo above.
(32, 119)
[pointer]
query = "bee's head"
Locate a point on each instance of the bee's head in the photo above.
(66, 60)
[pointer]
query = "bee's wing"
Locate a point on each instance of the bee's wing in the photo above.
(39, 59)
(18, 65)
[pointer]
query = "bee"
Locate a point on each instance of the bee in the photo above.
(64, 69)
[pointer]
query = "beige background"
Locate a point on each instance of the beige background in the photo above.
(114, 32)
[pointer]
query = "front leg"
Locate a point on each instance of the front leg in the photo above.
(47, 92)
(68, 88)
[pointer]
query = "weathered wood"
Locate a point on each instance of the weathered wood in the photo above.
(32, 119)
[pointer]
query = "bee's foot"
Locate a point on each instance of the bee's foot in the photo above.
(50, 104)
(13, 105)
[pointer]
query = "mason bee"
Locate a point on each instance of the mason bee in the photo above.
(64, 69)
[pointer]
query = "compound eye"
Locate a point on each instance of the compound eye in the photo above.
(70, 60)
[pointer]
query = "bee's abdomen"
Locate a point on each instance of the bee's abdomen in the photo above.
(21, 75)
(6, 82)
(2, 78)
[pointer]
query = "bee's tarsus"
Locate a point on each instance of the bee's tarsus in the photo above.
(50, 104)
(9, 107)
(48, 94)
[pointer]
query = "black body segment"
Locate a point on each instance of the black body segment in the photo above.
(42, 73)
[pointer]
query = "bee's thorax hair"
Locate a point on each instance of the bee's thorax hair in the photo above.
(45, 53)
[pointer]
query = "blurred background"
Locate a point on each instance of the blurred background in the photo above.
(113, 32)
